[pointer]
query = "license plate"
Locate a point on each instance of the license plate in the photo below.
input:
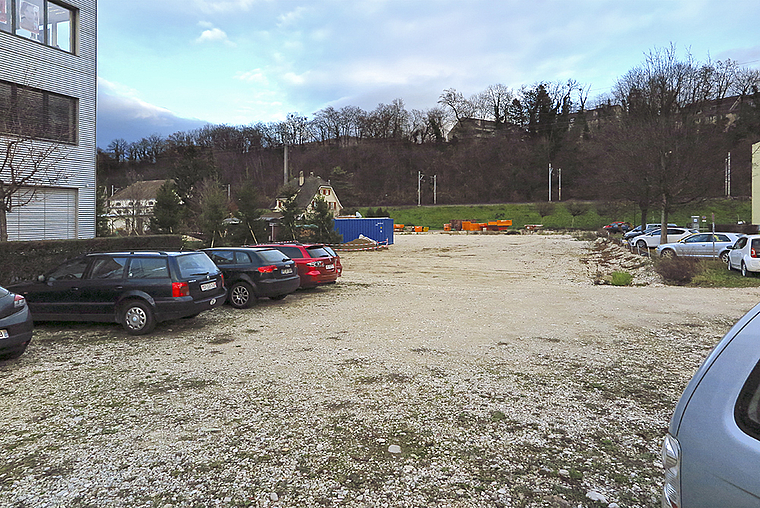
(329, 267)
(287, 271)
(208, 285)
(4, 334)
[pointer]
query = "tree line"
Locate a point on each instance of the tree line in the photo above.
(659, 138)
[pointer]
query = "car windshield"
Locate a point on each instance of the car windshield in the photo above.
(3, 292)
(194, 264)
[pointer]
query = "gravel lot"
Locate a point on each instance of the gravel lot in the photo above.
(447, 371)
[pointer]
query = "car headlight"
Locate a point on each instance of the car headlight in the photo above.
(671, 462)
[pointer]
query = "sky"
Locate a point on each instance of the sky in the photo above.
(175, 65)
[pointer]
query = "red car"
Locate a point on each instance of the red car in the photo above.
(317, 264)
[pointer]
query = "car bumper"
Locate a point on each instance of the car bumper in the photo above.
(753, 264)
(19, 327)
(183, 307)
(277, 287)
(310, 280)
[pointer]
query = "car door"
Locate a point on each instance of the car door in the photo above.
(719, 430)
(737, 251)
(58, 295)
(696, 245)
(101, 286)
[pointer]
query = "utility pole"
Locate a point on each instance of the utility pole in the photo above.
(550, 181)
(727, 175)
(435, 189)
(419, 187)
(559, 173)
(285, 165)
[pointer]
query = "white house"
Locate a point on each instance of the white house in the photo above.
(307, 189)
(48, 84)
(131, 208)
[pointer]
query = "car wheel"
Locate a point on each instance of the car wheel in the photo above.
(642, 245)
(745, 272)
(667, 253)
(724, 257)
(728, 264)
(241, 295)
(137, 317)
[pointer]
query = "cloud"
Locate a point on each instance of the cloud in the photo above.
(214, 35)
(121, 115)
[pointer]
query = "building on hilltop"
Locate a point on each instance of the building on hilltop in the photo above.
(307, 189)
(131, 208)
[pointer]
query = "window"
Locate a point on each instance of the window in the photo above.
(5, 15)
(223, 257)
(148, 268)
(747, 410)
(242, 258)
(73, 270)
(39, 20)
(108, 268)
(29, 112)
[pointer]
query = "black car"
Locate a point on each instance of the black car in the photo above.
(136, 289)
(15, 324)
(253, 273)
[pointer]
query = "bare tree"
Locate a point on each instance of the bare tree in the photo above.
(29, 158)
(493, 103)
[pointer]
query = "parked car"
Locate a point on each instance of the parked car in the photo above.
(648, 229)
(618, 227)
(701, 245)
(316, 265)
(711, 450)
(135, 289)
(652, 239)
(252, 273)
(15, 324)
(744, 255)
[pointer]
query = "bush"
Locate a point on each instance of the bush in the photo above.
(621, 279)
(679, 271)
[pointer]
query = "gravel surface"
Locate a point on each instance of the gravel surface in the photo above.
(448, 370)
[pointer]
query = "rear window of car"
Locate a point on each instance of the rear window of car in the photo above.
(272, 256)
(195, 264)
(148, 268)
(755, 244)
(747, 411)
(318, 252)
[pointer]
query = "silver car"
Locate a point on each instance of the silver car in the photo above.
(712, 449)
(701, 245)
(652, 239)
(745, 255)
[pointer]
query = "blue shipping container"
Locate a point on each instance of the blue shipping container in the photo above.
(380, 230)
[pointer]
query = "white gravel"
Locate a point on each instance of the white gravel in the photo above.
(447, 371)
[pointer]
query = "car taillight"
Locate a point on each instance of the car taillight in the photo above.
(315, 263)
(671, 462)
(221, 277)
(19, 302)
(752, 253)
(180, 289)
(267, 269)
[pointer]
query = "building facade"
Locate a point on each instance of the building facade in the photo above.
(48, 87)
(306, 190)
(131, 209)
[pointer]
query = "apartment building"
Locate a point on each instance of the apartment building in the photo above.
(48, 86)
